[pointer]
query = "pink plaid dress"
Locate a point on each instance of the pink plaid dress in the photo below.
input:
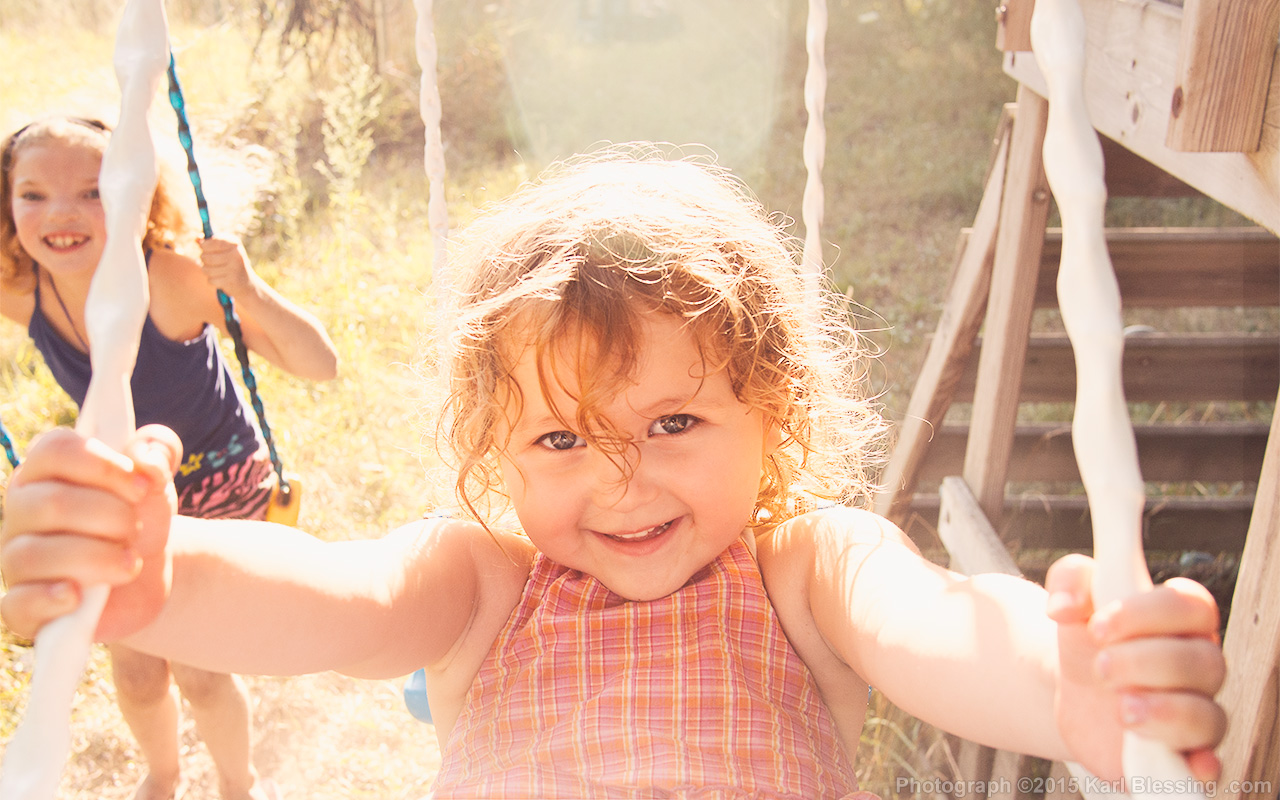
(695, 695)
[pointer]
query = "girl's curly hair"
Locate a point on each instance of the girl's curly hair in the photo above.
(578, 256)
(166, 223)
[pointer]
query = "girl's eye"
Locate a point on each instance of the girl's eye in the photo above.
(561, 440)
(92, 194)
(31, 197)
(676, 423)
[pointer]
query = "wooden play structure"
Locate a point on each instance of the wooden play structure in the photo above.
(1187, 100)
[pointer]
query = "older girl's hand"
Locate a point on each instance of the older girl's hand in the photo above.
(1150, 663)
(226, 265)
(78, 513)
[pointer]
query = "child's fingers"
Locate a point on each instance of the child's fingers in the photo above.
(1186, 664)
(54, 557)
(1178, 607)
(28, 607)
(63, 455)
(72, 518)
(1204, 764)
(157, 450)
(1183, 720)
(217, 245)
(51, 507)
(1069, 583)
(44, 575)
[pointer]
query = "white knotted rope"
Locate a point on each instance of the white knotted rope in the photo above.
(114, 314)
(433, 155)
(815, 143)
(1089, 298)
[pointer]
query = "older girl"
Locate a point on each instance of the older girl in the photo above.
(52, 233)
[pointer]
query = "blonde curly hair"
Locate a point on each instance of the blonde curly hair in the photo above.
(166, 222)
(579, 255)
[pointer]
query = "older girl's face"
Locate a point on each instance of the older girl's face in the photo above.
(55, 205)
(689, 483)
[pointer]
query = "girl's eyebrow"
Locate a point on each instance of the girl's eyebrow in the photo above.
(543, 422)
(678, 403)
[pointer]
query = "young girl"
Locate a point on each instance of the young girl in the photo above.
(52, 233)
(689, 606)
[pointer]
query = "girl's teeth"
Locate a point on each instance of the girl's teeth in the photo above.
(641, 535)
(61, 242)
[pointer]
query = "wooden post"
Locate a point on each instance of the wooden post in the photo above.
(1225, 57)
(1013, 25)
(1024, 212)
(1251, 751)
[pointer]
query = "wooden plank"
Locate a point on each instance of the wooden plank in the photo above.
(1130, 76)
(974, 764)
(1007, 769)
(1220, 452)
(974, 546)
(953, 340)
(1061, 785)
(1181, 267)
(1129, 175)
(1054, 522)
(1170, 367)
(1217, 103)
(1251, 695)
(1024, 210)
(1013, 25)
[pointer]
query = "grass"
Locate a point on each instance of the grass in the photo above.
(915, 89)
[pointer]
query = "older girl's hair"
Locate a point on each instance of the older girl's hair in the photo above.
(166, 222)
(577, 257)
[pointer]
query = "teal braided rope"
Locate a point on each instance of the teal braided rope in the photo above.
(228, 307)
(7, 444)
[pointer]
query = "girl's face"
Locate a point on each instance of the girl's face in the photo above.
(690, 479)
(56, 209)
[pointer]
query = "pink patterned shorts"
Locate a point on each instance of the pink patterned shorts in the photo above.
(241, 491)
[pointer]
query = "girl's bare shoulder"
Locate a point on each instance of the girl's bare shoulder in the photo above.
(18, 302)
(837, 533)
(440, 548)
(182, 300)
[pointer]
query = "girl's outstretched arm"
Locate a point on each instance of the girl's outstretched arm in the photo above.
(230, 596)
(989, 658)
(272, 325)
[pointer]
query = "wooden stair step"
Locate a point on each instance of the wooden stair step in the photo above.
(1212, 452)
(1157, 367)
(1180, 267)
(1058, 522)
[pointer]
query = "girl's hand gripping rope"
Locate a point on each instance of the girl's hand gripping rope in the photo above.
(226, 265)
(78, 514)
(1151, 660)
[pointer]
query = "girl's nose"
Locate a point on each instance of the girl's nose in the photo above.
(63, 209)
(621, 481)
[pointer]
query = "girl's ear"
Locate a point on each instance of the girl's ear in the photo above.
(773, 436)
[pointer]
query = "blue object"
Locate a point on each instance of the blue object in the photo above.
(228, 307)
(7, 444)
(415, 696)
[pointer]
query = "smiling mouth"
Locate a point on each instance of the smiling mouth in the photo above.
(65, 241)
(641, 536)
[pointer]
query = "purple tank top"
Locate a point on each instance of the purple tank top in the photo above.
(183, 385)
